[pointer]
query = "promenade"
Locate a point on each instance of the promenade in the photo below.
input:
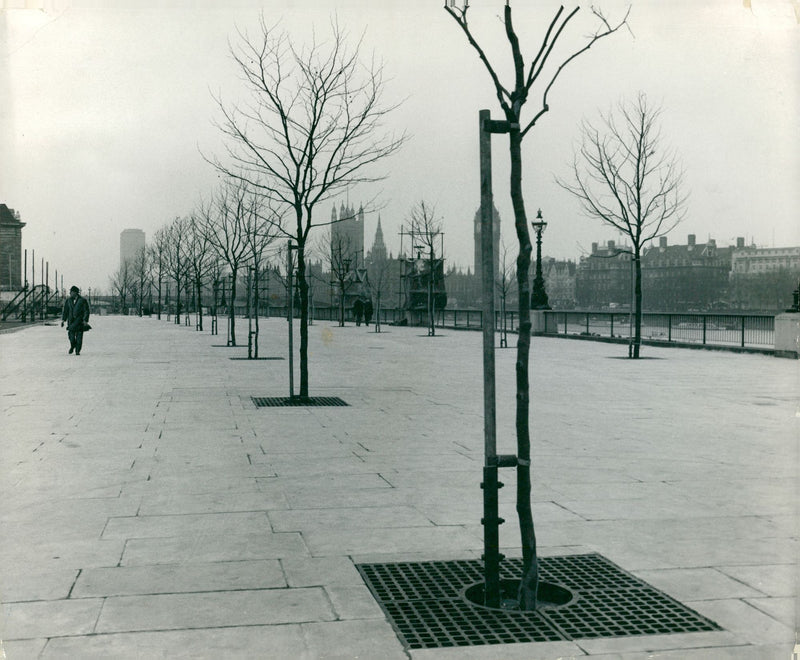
(148, 509)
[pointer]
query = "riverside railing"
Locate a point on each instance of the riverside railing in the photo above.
(732, 330)
(741, 330)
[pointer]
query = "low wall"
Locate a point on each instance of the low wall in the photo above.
(787, 335)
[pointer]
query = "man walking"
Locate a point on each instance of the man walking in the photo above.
(76, 314)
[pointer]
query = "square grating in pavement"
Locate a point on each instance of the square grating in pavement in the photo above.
(426, 603)
(285, 401)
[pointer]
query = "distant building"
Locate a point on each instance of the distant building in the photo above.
(685, 277)
(347, 234)
(603, 278)
(10, 249)
(559, 282)
(384, 272)
(478, 270)
(763, 278)
(378, 251)
(674, 277)
(753, 260)
(131, 242)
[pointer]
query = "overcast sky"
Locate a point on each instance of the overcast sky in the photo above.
(105, 111)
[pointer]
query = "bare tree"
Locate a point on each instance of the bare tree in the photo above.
(201, 261)
(177, 260)
(341, 267)
(538, 77)
(314, 127)
(158, 251)
(259, 235)
(225, 221)
(625, 176)
(139, 268)
(505, 284)
(379, 270)
(120, 284)
(427, 240)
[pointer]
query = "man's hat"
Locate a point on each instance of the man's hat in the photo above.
(75, 289)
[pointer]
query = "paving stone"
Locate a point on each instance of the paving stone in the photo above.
(781, 609)
(342, 498)
(524, 651)
(321, 484)
(53, 554)
(178, 503)
(40, 505)
(774, 580)
(404, 539)
(26, 649)
(697, 584)
(745, 621)
(204, 548)
(316, 571)
(177, 525)
(369, 517)
(621, 509)
(50, 618)
(660, 643)
(202, 480)
(35, 584)
(301, 465)
(737, 652)
(241, 643)
(342, 640)
(175, 578)
(354, 602)
(213, 610)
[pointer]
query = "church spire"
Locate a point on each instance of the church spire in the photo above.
(378, 251)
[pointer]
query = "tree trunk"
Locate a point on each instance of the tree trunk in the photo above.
(530, 564)
(232, 307)
(637, 294)
(199, 285)
(177, 301)
(431, 305)
(256, 302)
(301, 276)
(341, 304)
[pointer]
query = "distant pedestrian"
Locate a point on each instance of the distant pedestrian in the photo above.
(367, 311)
(76, 316)
(358, 310)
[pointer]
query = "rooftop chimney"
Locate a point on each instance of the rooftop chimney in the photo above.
(740, 242)
(692, 239)
(662, 242)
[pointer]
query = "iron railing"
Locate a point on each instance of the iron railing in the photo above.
(733, 330)
(742, 330)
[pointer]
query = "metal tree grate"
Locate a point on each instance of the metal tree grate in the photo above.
(285, 401)
(425, 603)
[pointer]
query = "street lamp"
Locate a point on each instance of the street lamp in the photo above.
(343, 287)
(539, 295)
(430, 301)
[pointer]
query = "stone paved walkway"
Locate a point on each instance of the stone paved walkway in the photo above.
(149, 510)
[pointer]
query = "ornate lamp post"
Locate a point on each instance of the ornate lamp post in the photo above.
(342, 288)
(539, 295)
